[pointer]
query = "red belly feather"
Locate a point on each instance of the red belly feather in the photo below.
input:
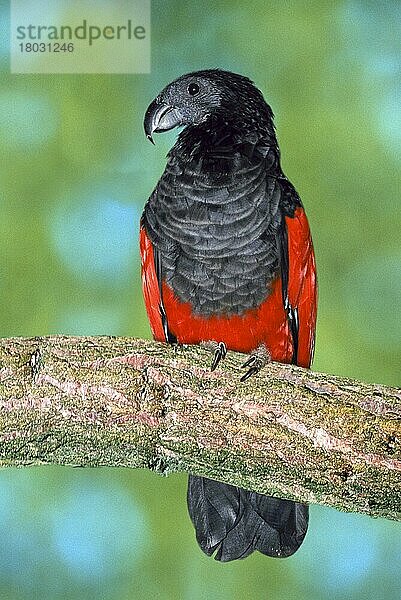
(266, 324)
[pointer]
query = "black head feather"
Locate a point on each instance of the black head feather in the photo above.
(210, 96)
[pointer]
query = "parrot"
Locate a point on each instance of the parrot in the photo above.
(227, 261)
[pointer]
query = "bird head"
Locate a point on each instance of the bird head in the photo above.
(196, 97)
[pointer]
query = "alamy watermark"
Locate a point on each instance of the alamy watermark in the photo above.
(80, 36)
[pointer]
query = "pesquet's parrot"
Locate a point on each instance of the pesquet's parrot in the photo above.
(227, 260)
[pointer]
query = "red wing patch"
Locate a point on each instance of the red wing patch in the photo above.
(150, 286)
(302, 287)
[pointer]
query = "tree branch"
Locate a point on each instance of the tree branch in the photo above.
(125, 402)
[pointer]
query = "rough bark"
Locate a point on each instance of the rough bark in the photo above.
(135, 403)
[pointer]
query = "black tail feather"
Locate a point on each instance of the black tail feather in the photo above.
(236, 522)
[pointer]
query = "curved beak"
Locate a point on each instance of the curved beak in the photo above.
(160, 117)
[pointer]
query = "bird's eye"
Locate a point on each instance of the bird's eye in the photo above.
(193, 89)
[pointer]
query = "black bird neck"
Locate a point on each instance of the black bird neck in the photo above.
(246, 134)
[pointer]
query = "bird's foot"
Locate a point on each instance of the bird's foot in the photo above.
(219, 349)
(258, 359)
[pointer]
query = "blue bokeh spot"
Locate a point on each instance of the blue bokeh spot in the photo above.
(97, 238)
(83, 532)
(96, 531)
(347, 547)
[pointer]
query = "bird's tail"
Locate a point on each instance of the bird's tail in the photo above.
(236, 522)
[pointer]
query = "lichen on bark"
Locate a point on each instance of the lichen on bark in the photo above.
(136, 403)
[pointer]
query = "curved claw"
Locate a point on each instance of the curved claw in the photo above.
(249, 373)
(219, 354)
(257, 360)
(250, 362)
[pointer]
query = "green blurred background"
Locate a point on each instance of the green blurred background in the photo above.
(75, 173)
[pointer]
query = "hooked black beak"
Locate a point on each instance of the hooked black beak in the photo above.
(160, 117)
